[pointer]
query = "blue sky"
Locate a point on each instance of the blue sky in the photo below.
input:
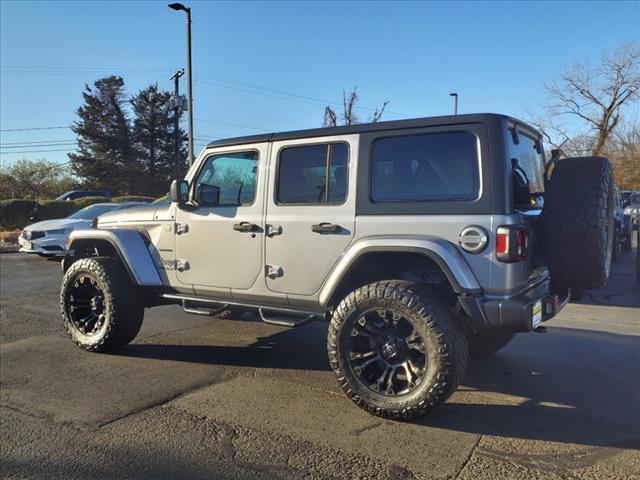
(497, 55)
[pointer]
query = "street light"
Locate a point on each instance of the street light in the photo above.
(455, 105)
(187, 10)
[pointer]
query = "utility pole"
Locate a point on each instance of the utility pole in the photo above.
(455, 105)
(187, 10)
(176, 125)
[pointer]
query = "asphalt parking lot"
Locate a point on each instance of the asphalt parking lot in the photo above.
(195, 397)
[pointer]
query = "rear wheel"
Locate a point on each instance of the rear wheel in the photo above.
(100, 305)
(395, 349)
(484, 345)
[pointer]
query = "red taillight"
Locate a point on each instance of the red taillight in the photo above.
(512, 243)
(502, 242)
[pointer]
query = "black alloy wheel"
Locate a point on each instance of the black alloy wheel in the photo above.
(85, 305)
(387, 353)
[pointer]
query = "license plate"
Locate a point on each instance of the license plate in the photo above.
(28, 245)
(537, 313)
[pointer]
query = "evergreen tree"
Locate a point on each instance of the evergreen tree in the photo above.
(105, 158)
(153, 137)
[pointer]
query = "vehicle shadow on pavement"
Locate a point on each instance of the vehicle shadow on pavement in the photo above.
(569, 385)
(298, 349)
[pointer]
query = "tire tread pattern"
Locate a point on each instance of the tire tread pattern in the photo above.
(577, 213)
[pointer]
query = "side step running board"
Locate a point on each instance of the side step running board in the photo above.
(202, 311)
(282, 316)
(286, 321)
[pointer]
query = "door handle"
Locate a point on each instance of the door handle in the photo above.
(324, 228)
(245, 227)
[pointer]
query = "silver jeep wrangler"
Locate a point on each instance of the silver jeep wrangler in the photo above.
(420, 241)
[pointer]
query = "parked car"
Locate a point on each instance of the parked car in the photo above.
(75, 194)
(633, 208)
(419, 241)
(622, 227)
(638, 255)
(49, 237)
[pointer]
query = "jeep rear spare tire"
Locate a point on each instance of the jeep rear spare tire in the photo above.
(578, 222)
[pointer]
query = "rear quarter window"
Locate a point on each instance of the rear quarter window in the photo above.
(425, 167)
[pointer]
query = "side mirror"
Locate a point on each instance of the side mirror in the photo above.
(179, 192)
(208, 195)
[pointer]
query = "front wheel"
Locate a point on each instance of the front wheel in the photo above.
(395, 349)
(100, 305)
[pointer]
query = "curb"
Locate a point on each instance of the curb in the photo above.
(9, 248)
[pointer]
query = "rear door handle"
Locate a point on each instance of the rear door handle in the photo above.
(245, 227)
(325, 228)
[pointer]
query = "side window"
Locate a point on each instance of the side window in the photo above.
(228, 179)
(426, 167)
(313, 174)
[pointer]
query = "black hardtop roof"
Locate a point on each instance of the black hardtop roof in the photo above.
(363, 127)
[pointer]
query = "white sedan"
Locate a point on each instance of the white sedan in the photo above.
(49, 237)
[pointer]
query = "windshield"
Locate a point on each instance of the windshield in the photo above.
(92, 211)
(635, 200)
(527, 166)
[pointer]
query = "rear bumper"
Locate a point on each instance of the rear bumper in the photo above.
(519, 313)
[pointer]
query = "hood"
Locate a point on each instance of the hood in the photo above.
(133, 214)
(61, 223)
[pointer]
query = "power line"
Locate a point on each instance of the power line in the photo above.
(35, 142)
(32, 128)
(233, 125)
(227, 82)
(37, 151)
(282, 93)
(65, 144)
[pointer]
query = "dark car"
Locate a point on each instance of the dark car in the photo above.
(75, 194)
(622, 226)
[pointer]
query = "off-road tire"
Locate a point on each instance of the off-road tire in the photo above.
(578, 222)
(123, 310)
(446, 345)
(484, 345)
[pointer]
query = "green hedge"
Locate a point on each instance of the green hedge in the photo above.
(50, 209)
(132, 198)
(86, 201)
(16, 214)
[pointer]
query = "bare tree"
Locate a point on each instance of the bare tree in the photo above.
(330, 117)
(595, 95)
(624, 152)
(349, 117)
